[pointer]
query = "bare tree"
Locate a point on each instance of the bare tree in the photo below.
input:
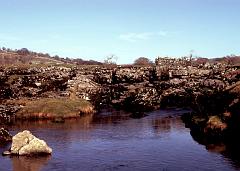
(111, 59)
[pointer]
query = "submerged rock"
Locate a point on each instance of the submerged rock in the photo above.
(24, 143)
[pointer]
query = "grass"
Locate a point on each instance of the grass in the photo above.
(27, 66)
(47, 108)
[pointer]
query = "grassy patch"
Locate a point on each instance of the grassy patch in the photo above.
(54, 108)
(40, 65)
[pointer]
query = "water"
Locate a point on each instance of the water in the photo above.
(115, 141)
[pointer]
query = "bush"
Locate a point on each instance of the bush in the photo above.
(142, 61)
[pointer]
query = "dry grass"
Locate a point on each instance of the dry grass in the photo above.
(40, 65)
(215, 122)
(54, 108)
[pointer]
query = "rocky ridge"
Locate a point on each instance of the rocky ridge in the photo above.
(169, 83)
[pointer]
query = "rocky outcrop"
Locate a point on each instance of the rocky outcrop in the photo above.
(30, 83)
(24, 143)
(7, 111)
(5, 136)
(148, 88)
(33, 82)
(217, 117)
(170, 83)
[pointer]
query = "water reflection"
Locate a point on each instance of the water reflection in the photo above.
(161, 125)
(229, 149)
(110, 116)
(165, 124)
(29, 163)
(114, 140)
(83, 122)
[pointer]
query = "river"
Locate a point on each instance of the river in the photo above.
(112, 140)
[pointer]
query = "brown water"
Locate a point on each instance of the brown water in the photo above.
(114, 141)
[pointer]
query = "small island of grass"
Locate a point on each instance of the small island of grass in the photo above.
(47, 108)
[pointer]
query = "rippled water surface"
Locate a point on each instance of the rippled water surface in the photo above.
(115, 141)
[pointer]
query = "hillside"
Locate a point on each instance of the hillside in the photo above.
(24, 56)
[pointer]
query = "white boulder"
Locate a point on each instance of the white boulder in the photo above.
(24, 143)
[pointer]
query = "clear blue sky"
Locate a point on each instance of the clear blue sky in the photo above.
(94, 29)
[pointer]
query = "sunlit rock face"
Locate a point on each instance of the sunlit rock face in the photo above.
(24, 143)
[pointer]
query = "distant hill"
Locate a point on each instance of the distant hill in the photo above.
(228, 60)
(231, 60)
(24, 56)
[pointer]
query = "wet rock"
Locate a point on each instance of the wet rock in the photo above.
(215, 126)
(24, 143)
(6, 153)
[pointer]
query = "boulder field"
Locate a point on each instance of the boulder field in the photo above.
(209, 90)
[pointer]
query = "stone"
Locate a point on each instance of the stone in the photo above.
(5, 153)
(215, 126)
(24, 143)
(38, 84)
(5, 136)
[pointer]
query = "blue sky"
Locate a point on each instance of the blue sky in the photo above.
(94, 29)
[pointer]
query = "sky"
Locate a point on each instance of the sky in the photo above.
(128, 29)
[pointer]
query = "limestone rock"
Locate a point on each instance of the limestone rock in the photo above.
(5, 136)
(24, 143)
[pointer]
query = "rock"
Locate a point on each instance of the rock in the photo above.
(5, 136)
(36, 146)
(58, 120)
(215, 127)
(24, 143)
(7, 111)
(5, 153)
(38, 84)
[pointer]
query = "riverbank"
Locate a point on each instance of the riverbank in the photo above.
(206, 89)
(220, 119)
(133, 88)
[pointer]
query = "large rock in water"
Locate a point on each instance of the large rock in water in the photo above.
(24, 143)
